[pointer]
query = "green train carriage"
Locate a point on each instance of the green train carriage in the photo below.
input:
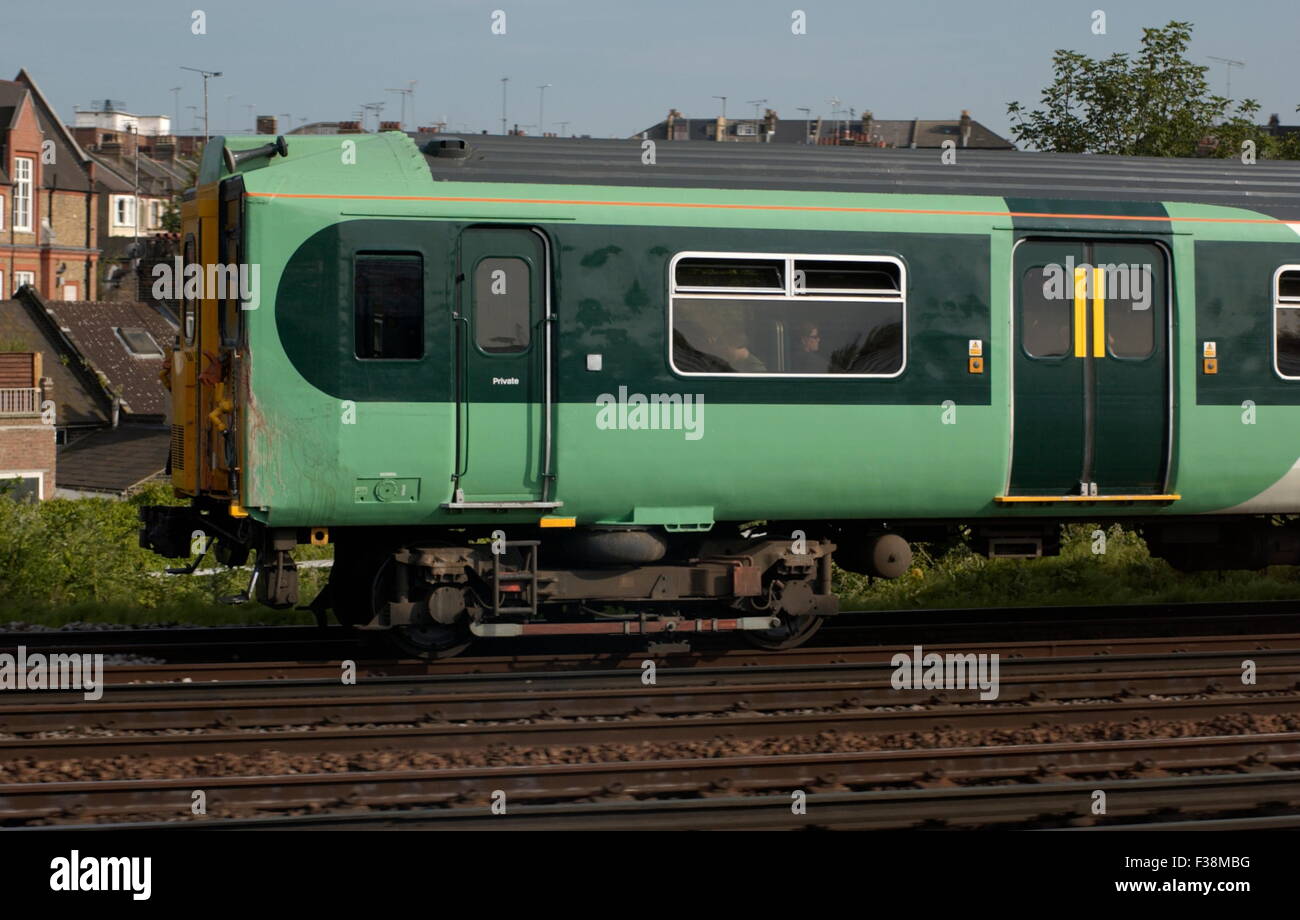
(536, 386)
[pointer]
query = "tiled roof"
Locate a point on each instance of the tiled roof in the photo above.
(113, 460)
(91, 325)
(75, 400)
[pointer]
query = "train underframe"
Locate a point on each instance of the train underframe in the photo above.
(434, 591)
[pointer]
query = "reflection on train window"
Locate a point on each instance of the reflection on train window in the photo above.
(730, 275)
(788, 315)
(820, 276)
(501, 306)
(1046, 320)
(1286, 321)
(1288, 341)
(1288, 285)
(1131, 322)
(785, 337)
(389, 305)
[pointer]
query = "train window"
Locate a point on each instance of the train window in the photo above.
(791, 315)
(731, 275)
(502, 305)
(1288, 284)
(188, 320)
(1130, 326)
(1286, 321)
(389, 304)
(1046, 332)
(825, 277)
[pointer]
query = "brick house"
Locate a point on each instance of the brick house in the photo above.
(100, 364)
(27, 449)
(48, 202)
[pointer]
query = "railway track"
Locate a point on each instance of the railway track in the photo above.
(575, 740)
(897, 627)
(619, 693)
(1066, 802)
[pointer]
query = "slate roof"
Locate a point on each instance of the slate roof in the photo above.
(890, 132)
(77, 400)
(114, 459)
(69, 168)
(91, 325)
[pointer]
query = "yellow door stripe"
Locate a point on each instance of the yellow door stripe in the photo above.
(1080, 313)
(1098, 315)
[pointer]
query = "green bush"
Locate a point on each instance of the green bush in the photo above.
(1126, 573)
(63, 560)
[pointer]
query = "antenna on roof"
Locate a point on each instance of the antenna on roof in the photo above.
(1230, 64)
(107, 105)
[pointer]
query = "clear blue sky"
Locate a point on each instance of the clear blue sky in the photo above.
(615, 66)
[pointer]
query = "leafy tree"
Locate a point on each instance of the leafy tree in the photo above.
(1157, 103)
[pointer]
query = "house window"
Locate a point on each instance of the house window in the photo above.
(22, 485)
(138, 342)
(123, 211)
(389, 305)
(21, 278)
(155, 214)
(787, 315)
(1286, 321)
(2, 219)
(23, 194)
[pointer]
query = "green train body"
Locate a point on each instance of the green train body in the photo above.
(378, 424)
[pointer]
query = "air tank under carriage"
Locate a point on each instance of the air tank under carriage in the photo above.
(532, 386)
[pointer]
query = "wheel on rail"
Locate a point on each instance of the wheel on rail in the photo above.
(424, 637)
(792, 633)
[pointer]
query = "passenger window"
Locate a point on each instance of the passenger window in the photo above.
(1131, 311)
(502, 301)
(389, 303)
(787, 315)
(1046, 319)
(1286, 322)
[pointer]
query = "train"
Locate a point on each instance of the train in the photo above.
(543, 386)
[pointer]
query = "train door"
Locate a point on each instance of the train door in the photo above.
(1090, 370)
(504, 370)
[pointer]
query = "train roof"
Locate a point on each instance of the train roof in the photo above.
(1270, 187)
(394, 163)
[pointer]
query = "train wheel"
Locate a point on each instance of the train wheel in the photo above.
(792, 633)
(424, 637)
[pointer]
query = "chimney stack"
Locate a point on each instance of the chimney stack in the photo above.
(266, 124)
(965, 128)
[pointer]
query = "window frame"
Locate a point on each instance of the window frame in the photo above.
(1280, 303)
(21, 185)
(38, 475)
(130, 208)
(2, 217)
(528, 305)
(23, 277)
(121, 331)
(789, 296)
(379, 255)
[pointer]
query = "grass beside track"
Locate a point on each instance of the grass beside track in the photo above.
(72, 561)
